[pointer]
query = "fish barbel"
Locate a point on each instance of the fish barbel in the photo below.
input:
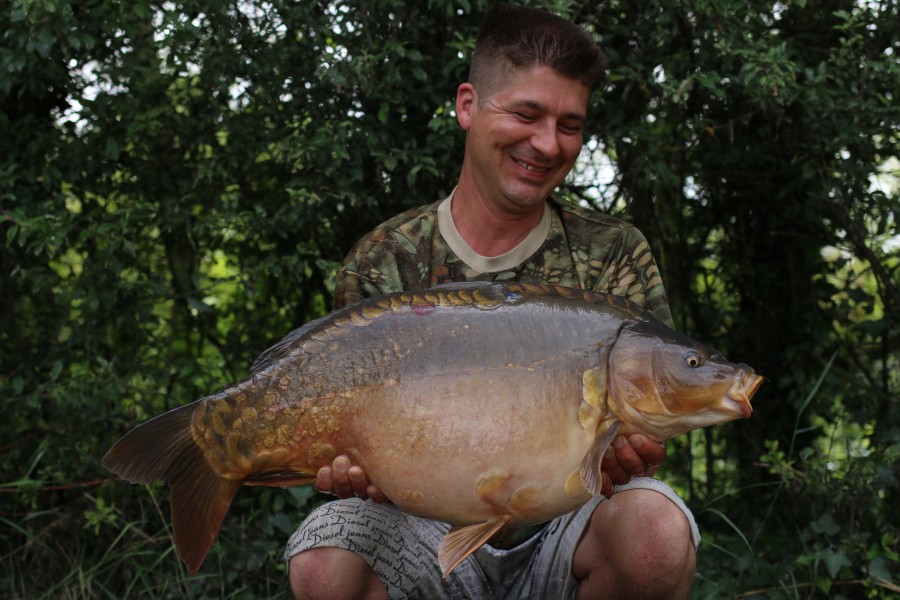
(481, 405)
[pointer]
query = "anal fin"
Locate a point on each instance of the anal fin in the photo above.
(460, 542)
(590, 464)
(280, 478)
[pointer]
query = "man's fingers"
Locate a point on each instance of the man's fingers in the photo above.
(345, 480)
(358, 481)
(630, 457)
(375, 495)
(340, 475)
(606, 487)
(629, 461)
(323, 480)
(335, 478)
(613, 469)
(650, 452)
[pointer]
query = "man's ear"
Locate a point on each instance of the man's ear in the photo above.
(466, 104)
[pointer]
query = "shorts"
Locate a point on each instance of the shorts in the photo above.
(402, 550)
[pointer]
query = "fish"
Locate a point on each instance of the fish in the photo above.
(485, 405)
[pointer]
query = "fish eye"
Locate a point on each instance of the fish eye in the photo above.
(693, 360)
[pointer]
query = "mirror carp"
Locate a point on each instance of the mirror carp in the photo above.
(483, 405)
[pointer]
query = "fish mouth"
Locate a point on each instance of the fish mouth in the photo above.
(738, 397)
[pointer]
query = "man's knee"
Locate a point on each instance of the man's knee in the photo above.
(657, 534)
(638, 544)
(333, 573)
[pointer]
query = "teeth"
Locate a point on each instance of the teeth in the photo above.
(530, 167)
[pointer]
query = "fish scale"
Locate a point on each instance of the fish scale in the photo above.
(483, 405)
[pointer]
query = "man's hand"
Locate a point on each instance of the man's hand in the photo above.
(345, 481)
(634, 456)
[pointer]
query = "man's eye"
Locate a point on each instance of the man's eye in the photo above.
(525, 117)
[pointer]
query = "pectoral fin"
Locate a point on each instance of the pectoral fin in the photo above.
(593, 397)
(460, 542)
(593, 385)
(590, 464)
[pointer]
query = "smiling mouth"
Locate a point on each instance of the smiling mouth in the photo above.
(530, 167)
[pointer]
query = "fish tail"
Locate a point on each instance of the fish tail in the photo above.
(200, 499)
(163, 448)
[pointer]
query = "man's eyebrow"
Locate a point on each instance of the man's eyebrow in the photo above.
(540, 107)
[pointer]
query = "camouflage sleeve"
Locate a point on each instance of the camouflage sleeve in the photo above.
(393, 257)
(354, 281)
(631, 272)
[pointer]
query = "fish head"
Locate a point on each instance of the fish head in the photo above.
(663, 383)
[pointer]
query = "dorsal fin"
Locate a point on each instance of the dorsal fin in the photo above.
(282, 347)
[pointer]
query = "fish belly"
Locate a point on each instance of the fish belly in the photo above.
(464, 448)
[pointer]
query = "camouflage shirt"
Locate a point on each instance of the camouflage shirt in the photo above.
(583, 249)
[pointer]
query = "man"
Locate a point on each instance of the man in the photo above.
(523, 111)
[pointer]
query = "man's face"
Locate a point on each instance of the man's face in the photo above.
(524, 138)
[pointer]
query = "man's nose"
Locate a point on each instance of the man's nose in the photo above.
(545, 140)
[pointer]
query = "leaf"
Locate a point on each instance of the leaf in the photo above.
(734, 527)
(826, 525)
(56, 369)
(284, 523)
(199, 305)
(878, 567)
(835, 561)
(11, 234)
(112, 149)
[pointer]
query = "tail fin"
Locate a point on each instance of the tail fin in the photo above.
(164, 449)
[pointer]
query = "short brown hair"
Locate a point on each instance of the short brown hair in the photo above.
(518, 37)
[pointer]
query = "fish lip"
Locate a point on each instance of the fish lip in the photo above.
(739, 395)
(741, 405)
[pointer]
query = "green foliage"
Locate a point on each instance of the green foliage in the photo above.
(825, 527)
(755, 145)
(178, 184)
